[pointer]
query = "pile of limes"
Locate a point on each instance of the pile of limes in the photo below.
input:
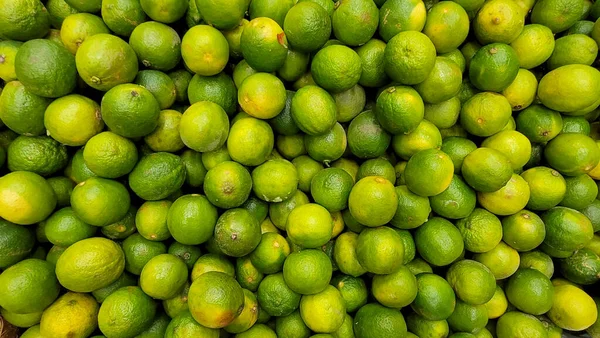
(299, 168)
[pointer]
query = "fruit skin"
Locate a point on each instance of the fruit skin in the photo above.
(222, 14)
(570, 88)
(373, 201)
(572, 309)
(16, 243)
(184, 324)
(583, 267)
(517, 323)
(504, 17)
(122, 16)
(72, 315)
(561, 155)
(307, 26)
(23, 19)
(558, 15)
(28, 286)
(429, 165)
(54, 78)
(435, 298)
(316, 115)
(399, 109)
(163, 276)
(99, 201)
(191, 219)
(324, 311)
(237, 232)
(264, 44)
(215, 299)
(126, 313)
(494, 67)
(566, 229)
(151, 37)
(336, 68)
(530, 291)
(130, 110)
(21, 110)
(374, 320)
(39, 154)
(409, 57)
(439, 242)
(202, 42)
(365, 16)
(486, 169)
(72, 120)
(104, 61)
(90, 264)
(25, 198)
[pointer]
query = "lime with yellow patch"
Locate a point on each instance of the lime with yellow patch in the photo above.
(207, 120)
(264, 44)
(73, 314)
(204, 50)
(25, 198)
(262, 95)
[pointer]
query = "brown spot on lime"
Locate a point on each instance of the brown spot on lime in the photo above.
(98, 114)
(254, 309)
(153, 236)
(276, 244)
(526, 216)
(2, 58)
(186, 255)
(281, 39)
(480, 120)
(184, 298)
(518, 107)
(234, 236)
(391, 89)
(493, 50)
(496, 20)
(555, 173)
(379, 179)
(135, 93)
(95, 80)
(72, 302)
(545, 133)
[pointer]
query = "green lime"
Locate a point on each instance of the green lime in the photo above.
(462, 275)
(498, 21)
(456, 202)
(105, 61)
(215, 299)
(423, 327)
(280, 171)
(363, 13)
(9, 51)
(331, 188)
(468, 318)
(396, 16)
(160, 85)
(237, 232)
(537, 260)
(373, 201)
(307, 26)
(163, 276)
(380, 250)
(523, 231)
(494, 67)
(530, 291)
(291, 325)
(23, 20)
(556, 15)
(582, 267)
(201, 43)
(54, 78)
(156, 176)
(570, 89)
(372, 56)
(309, 225)
(374, 320)
(447, 26)
(409, 57)
(138, 251)
(307, 272)
(99, 201)
(76, 28)
(227, 185)
(443, 82)
(561, 156)
(534, 45)
(327, 147)
(222, 14)
(580, 193)
(429, 172)
(539, 124)
(395, 290)
(28, 286)
(457, 148)
(509, 199)
(110, 155)
(425, 136)
(246, 274)
(195, 169)
(572, 308)
(262, 95)
(516, 323)
(185, 324)
(122, 16)
(38, 154)
(336, 68)
(264, 44)
(270, 254)
(345, 254)
(275, 297)
(166, 135)
(502, 260)
(73, 120)
(438, 241)
(435, 298)
(212, 262)
(324, 311)
(191, 219)
(486, 169)
(250, 141)
(64, 228)
(399, 109)
(366, 137)
(127, 312)
(157, 45)
(130, 110)
(90, 264)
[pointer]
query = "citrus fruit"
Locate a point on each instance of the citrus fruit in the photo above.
(191, 219)
(207, 119)
(399, 109)
(336, 68)
(409, 57)
(262, 95)
(429, 172)
(28, 286)
(127, 312)
(73, 119)
(204, 50)
(486, 169)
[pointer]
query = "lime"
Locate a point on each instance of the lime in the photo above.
(435, 298)
(307, 272)
(372, 56)
(227, 185)
(279, 212)
(534, 45)
(23, 20)
(105, 61)
(324, 311)
(250, 141)
(138, 251)
(365, 16)
(374, 320)
(122, 16)
(270, 254)
(486, 169)
(380, 250)
(530, 291)
(570, 93)
(191, 219)
(163, 276)
(537, 260)
(9, 51)
(443, 82)
(509, 199)
(523, 231)
(54, 78)
(572, 308)
(425, 136)
(457, 201)
(76, 28)
(212, 262)
(331, 188)
(498, 21)
(90, 264)
(185, 324)
(580, 193)
(399, 109)
(582, 267)
(195, 170)
(438, 241)
(336, 68)
(429, 172)
(38, 154)
(110, 155)
(409, 57)
(307, 26)
(237, 232)
(447, 26)
(28, 286)
(517, 323)
(207, 119)
(73, 120)
(222, 14)
(345, 254)
(291, 325)
(130, 110)
(468, 318)
(539, 124)
(502, 260)
(127, 312)
(64, 228)
(275, 297)
(570, 162)
(395, 290)
(157, 45)
(366, 137)
(497, 306)
(264, 44)
(204, 50)
(556, 15)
